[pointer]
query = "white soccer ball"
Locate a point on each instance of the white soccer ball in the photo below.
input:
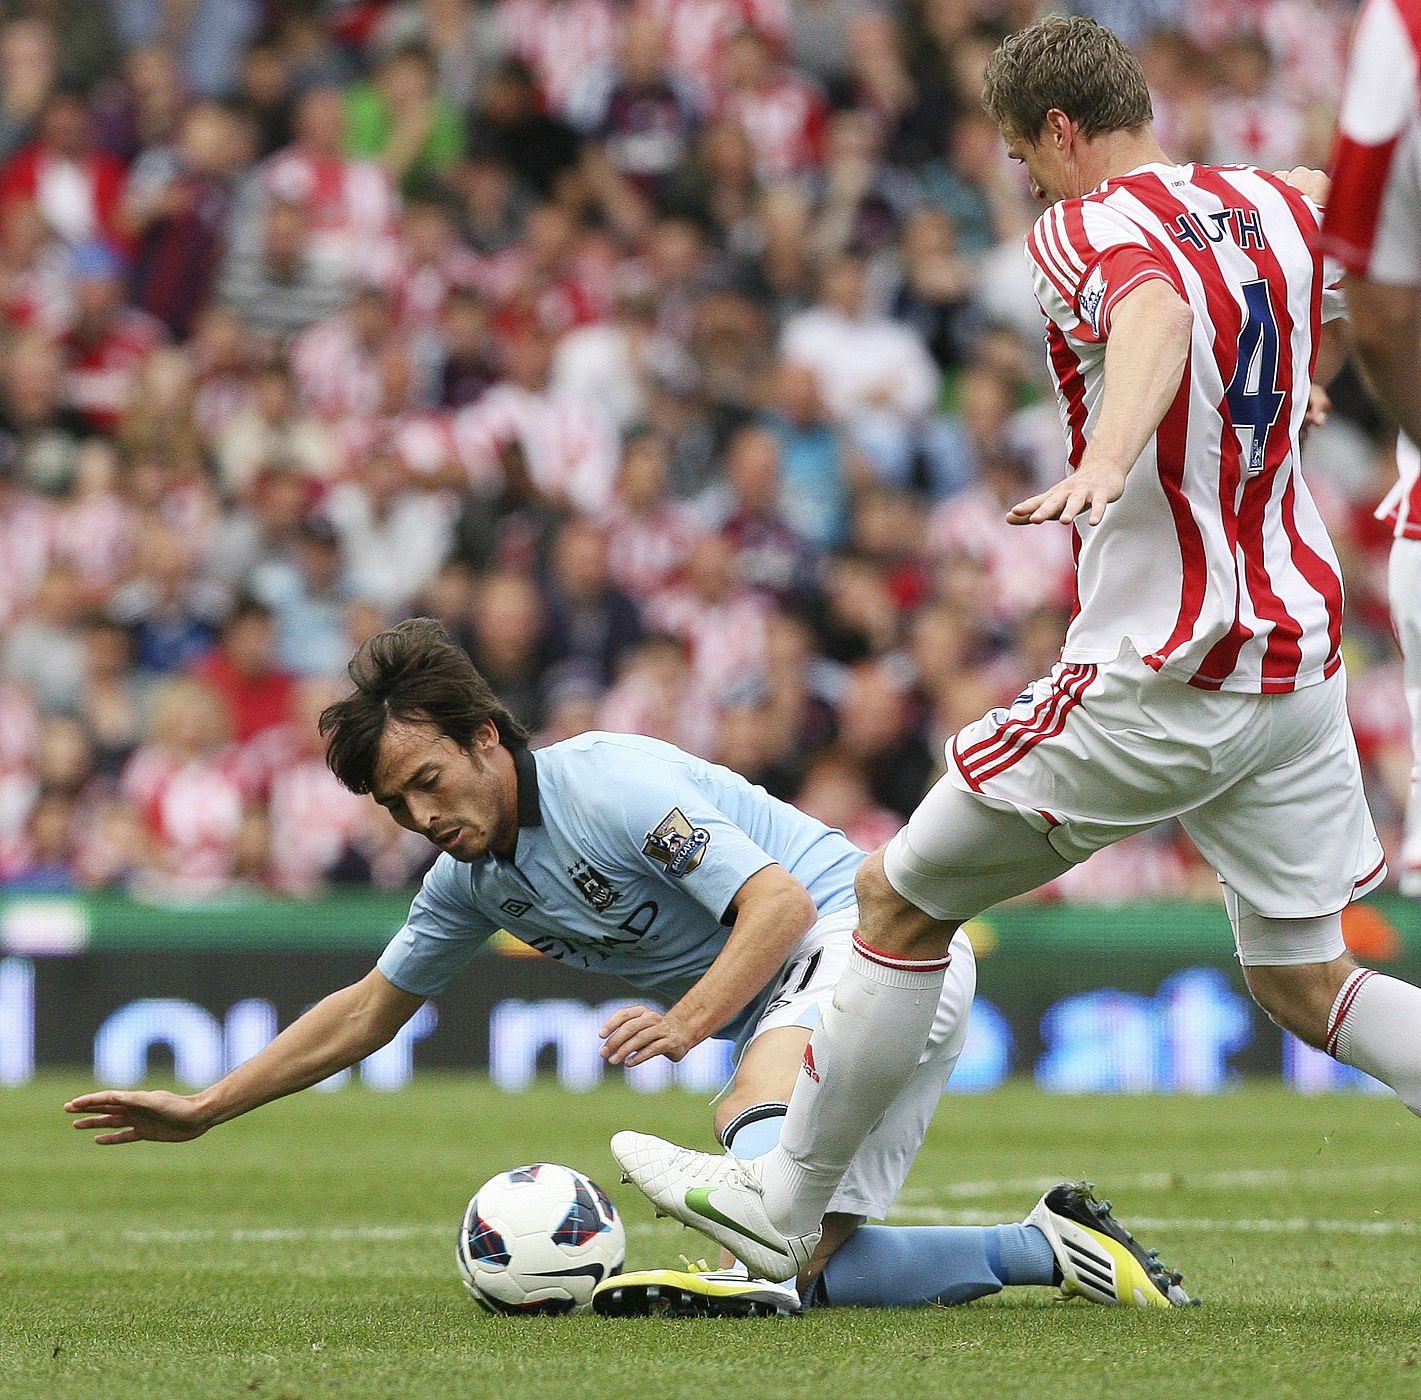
(539, 1239)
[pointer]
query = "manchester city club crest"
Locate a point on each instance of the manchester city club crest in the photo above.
(592, 886)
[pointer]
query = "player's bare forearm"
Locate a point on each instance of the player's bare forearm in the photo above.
(773, 911)
(337, 1032)
(1331, 353)
(1145, 359)
(1385, 323)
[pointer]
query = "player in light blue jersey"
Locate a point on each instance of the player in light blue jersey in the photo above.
(735, 910)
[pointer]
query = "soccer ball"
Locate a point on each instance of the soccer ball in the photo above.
(539, 1239)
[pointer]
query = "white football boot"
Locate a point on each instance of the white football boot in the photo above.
(722, 1197)
(1097, 1257)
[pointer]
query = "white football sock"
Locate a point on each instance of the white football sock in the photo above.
(1375, 1025)
(856, 1063)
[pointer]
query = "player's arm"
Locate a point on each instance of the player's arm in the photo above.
(334, 1034)
(1371, 220)
(773, 911)
(1385, 321)
(1145, 357)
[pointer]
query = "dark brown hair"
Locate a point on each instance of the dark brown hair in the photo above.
(415, 673)
(1070, 63)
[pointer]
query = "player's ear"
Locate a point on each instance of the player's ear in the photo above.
(486, 737)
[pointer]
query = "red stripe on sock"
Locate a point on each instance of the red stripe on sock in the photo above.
(1347, 1000)
(874, 955)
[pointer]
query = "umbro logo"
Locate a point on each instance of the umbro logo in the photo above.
(516, 907)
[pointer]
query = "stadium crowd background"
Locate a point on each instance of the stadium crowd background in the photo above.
(679, 354)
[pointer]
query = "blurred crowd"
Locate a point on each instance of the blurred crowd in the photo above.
(679, 354)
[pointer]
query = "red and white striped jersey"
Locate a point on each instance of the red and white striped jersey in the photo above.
(726, 639)
(569, 444)
(421, 439)
(40, 296)
(577, 293)
(561, 41)
(101, 375)
(647, 551)
(191, 810)
(98, 534)
(784, 122)
(1268, 130)
(1214, 565)
(1373, 224)
(312, 817)
(335, 375)
(350, 203)
(1024, 569)
(418, 289)
(696, 32)
(19, 784)
(1373, 221)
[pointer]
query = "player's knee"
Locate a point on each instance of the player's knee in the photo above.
(892, 924)
(1299, 997)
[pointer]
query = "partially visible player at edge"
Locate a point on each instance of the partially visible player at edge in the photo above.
(1373, 229)
(626, 855)
(1200, 677)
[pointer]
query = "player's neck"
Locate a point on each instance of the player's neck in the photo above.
(1118, 153)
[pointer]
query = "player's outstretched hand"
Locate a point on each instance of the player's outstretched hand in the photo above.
(1091, 487)
(636, 1034)
(1313, 183)
(142, 1116)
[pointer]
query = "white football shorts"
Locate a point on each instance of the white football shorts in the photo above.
(878, 1170)
(1268, 787)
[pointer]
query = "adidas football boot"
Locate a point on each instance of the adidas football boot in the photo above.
(1097, 1257)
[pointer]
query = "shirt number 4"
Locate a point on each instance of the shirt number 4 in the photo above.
(1254, 398)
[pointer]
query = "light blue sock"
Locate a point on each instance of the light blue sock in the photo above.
(755, 1131)
(904, 1266)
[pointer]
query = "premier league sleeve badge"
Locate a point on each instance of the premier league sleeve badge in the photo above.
(677, 844)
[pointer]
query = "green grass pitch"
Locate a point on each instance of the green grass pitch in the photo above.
(307, 1251)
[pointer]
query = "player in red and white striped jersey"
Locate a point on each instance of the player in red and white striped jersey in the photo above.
(1199, 679)
(1216, 566)
(1373, 228)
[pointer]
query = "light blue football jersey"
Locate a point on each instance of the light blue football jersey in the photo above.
(629, 853)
